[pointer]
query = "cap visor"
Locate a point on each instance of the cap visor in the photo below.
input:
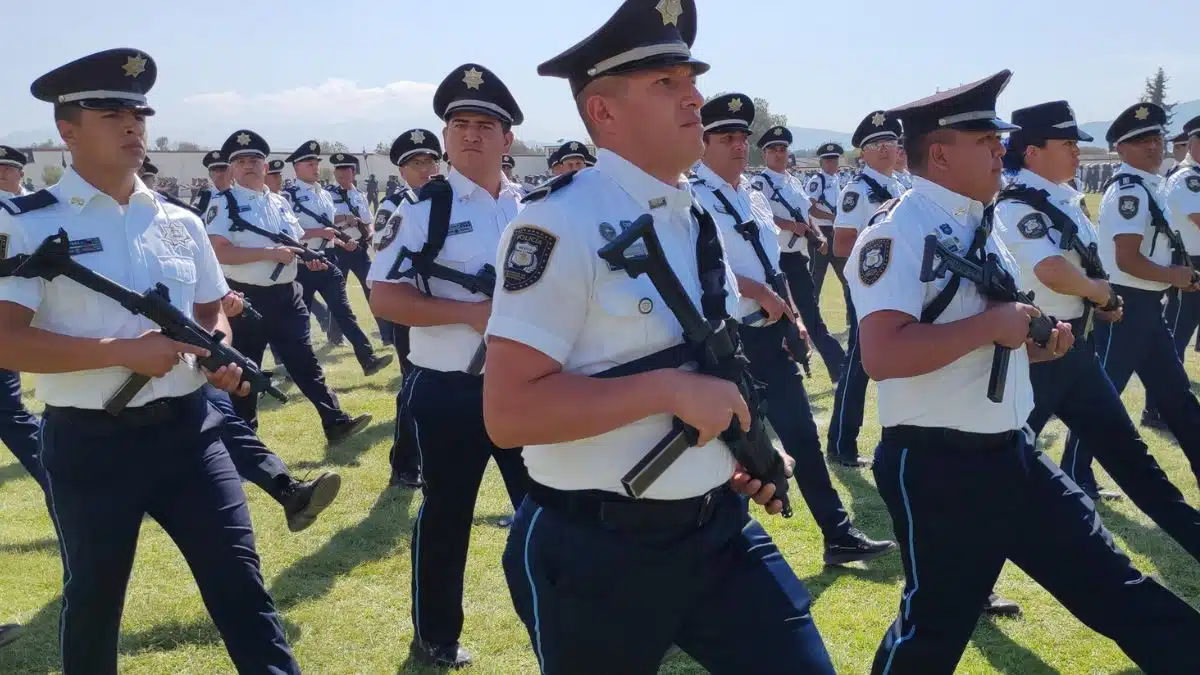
(115, 104)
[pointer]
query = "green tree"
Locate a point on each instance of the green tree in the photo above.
(326, 174)
(50, 174)
(1156, 93)
(520, 148)
(162, 142)
(328, 147)
(47, 145)
(383, 148)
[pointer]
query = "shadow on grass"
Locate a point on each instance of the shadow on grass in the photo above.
(1175, 567)
(1004, 655)
(12, 471)
(37, 546)
(885, 571)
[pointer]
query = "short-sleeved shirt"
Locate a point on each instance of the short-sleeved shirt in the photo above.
(263, 209)
(476, 222)
(786, 189)
(590, 317)
(739, 252)
(1182, 192)
(883, 273)
(822, 185)
(313, 197)
(856, 204)
(1029, 236)
(144, 243)
(385, 229)
(354, 205)
(1124, 210)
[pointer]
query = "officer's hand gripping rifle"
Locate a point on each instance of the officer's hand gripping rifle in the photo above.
(720, 357)
(811, 233)
(302, 252)
(52, 259)
(796, 344)
(995, 283)
(1089, 258)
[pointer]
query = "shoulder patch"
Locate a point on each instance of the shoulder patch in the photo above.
(3, 246)
(1193, 183)
(211, 215)
(436, 185)
(390, 231)
(546, 189)
(407, 195)
(1127, 206)
(1032, 226)
(849, 201)
(381, 217)
(883, 211)
(26, 203)
(873, 260)
(527, 257)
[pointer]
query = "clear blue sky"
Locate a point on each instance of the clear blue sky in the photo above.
(364, 71)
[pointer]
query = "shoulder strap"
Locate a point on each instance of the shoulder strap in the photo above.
(727, 204)
(710, 261)
(776, 196)
(297, 205)
(441, 197)
(1158, 220)
(942, 300)
(1038, 200)
(30, 202)
(878, 192)
(175, 202)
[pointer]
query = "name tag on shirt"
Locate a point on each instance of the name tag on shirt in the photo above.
(243, 208)
(460, 228)
(81, 246)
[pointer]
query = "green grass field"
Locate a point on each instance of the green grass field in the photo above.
(343, 585)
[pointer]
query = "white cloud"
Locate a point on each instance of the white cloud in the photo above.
(332, 101)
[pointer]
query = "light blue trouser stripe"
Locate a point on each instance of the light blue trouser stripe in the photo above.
(912, 557)
(417, 528)
(62, 616)
(537, 620)
(842, 412)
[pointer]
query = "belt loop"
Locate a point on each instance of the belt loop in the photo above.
(706, 509)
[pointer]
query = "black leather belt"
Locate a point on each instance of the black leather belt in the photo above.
(917, 436)
(619, 512)
(160, 411)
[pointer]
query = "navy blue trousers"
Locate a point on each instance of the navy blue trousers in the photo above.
(823, 262)
(1075, 389)
(403, 456)
(789, 413)
(599, 600)
(18, 427)
(285, 326)
(331, 286)
(446, 413)
(849, 399)
(1015, 504)
(250, 456)
(795, 267)
(1183, 317)
(1141, 343)
(358, 263)
(104, 475)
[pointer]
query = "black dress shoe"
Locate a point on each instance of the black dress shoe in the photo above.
(1153, 420)
(376, 364)
(408, 479)
(998, 606)
(303, 502)
(1097, 494)
(850, 462)
(440, 656)
(9, 632)
(854, 546)
(345, 429)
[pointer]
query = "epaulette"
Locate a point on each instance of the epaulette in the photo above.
(884, 210)
(548, 188)
(406, 195)
(437, 184)
(1127, 181)
(175, 202)
(26, 203)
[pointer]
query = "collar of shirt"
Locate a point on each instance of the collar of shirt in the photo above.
(964, 210)
(315, 188)
(879, 176)
(1151, 179)
(466, 189)
(1057, 191)
(781, 178)
(77, 193)
(644, 188)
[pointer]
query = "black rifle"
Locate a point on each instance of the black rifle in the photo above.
(995, 283)
(249, 312)
(717, 347)
(778, 283)
(323, 221)
(482, 282)
(302, 252)
(358, 221)
(810, 234)
(53, 259)
(1089, 258)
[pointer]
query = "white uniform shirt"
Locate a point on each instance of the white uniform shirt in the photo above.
(266, 210)
(791, 191)
(1028, 235)
(139, 245)
(357, 200)
(476, 223)
(313, 197)
(883, 273)
(904, 178)
(739, 253)
(813, 190)
(1123, 210)
(856, 205)
(1182, 197)
(590, 317)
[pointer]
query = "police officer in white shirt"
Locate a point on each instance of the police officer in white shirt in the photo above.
(1137, 249)
(878, 136)
(161, 455)
(1040, 221)
(265, 273)
(274, 179)
(789, 206)
(315, 210)
(456, 227)
(727, 120)
(900, 171)
(416, 153)
(218, 173)
(686, 564)
(950, 457)
(822, 190)
(1181, 195)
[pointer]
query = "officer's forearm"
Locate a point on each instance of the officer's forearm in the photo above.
(211, 318)
(228, 254)
(1064, 278)
(821, 212)
(1195, 218)
(752, 289)
(316, 233)
(405, 305)
(1131, 261)
(843, 241)
(788, 225)
(895, 345)
(26, 349)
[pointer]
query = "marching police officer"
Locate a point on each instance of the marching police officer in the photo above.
(1040, 221)
(316, 212)
(950, 458)
(274, 179)
(352, 217)
(507, 164)
(148, 173)
(416, 153)
(1144, 258)
(265, 272)
(877, 136)
(790, 209)
(605, 583)
(161, 455)
(570, 156)
(218, 173)
(822, 190)
(456, 225)
(722, 190)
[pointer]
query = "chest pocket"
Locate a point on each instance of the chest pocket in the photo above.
(467, 252)
(634, 315)
(179, 276)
